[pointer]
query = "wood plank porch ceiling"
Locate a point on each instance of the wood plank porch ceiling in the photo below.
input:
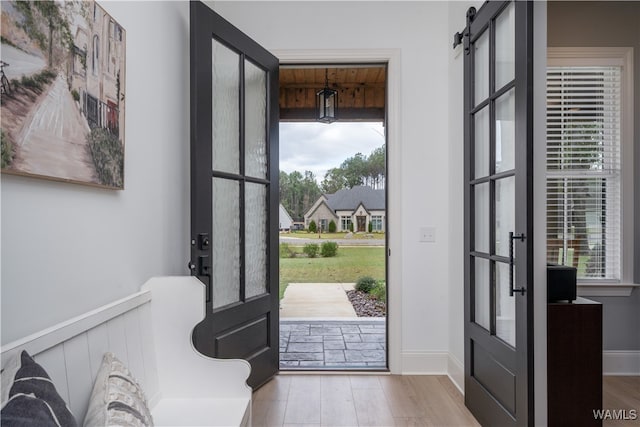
(361, 91)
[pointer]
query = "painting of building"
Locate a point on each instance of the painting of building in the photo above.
(63, 109)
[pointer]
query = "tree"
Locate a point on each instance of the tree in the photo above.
(312, 227)
(298, 193)
(333, 181)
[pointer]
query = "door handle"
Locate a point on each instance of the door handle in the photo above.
(512, 237)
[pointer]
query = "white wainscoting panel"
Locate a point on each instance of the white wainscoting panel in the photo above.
(79, 378)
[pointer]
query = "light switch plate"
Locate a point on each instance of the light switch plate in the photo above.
(428, 234)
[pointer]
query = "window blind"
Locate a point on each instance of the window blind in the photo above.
(583, 169)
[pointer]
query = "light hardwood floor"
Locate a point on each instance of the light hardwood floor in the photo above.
(390, 400)
(621, 393)
(360, 400)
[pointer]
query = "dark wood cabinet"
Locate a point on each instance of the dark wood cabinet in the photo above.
(574, 363)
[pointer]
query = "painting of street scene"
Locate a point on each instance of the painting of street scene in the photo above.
(62, 66)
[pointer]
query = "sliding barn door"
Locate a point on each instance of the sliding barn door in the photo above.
(498, 205)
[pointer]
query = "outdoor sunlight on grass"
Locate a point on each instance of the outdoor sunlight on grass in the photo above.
(347, 266)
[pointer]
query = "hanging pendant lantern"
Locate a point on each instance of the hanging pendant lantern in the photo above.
(327, 102)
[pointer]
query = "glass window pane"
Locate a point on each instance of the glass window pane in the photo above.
(505, 131)
(225, 109)
(256, 239)
(481, 136)
(225, 263)
(482, 294)
(255, 83)
(482, 218)
(505, 46)
(505, 213)
(505, 305)
(481, 72)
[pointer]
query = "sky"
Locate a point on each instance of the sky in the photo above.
(318, 147)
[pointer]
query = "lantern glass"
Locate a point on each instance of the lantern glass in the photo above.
(327, 104)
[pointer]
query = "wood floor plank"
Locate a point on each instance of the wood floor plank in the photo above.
(338, 412)
(365, 381)
(276, 389)
(401, 397)
(268, 413)
(336, 387)
(303, 405)
(622, 394)
(440, 408)
(411, 422)
(372, 407)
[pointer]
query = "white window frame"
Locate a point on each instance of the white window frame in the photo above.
(607, 56)
(377, 220)
(345, 220)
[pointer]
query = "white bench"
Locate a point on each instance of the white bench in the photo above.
(150, 332)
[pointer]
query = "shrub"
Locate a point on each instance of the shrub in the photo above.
(365, 284)
(108, 157)
(75, 95)
(332, 226)
(351, 227)
(370, 227)
(379, 291)
(286, 251)
(329, 249)
(311, 250)
(7, 149)
(313, 227)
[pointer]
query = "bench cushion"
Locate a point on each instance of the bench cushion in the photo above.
(202, 412)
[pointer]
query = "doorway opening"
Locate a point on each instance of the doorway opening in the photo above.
(333, 222)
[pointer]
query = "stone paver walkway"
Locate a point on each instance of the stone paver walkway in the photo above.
(333, 344)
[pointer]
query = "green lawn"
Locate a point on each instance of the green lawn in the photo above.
(347, 266)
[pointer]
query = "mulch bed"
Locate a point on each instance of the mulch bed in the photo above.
(365, 305)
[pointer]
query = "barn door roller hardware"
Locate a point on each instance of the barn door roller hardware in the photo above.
(464, 36)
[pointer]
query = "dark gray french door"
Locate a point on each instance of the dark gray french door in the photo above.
(498, 222)
(234, 192)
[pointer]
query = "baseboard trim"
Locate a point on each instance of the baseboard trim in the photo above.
(621, 362)
(455, 371)
(424, 363)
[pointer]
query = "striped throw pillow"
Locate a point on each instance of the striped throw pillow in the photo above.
(117, 398)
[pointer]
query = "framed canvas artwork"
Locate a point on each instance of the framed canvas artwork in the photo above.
(63, 92)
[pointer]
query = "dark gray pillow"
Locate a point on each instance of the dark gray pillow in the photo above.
(32, 398)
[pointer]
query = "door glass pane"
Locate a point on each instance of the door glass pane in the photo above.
(481, 71)
(481, 135)
(225, 264)
(505, 306)
(482, 293)
(256, 239)
(255, 84)
(505, 46)
(505, 213)
(482, 217)
(505, 131)
(225, 108)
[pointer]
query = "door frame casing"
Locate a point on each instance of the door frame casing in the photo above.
(394, 193)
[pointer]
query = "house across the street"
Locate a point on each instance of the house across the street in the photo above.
(359, 206)
(285, 219)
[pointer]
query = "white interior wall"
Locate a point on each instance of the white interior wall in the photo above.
(419, 31)
(69, 248)
(457, 22)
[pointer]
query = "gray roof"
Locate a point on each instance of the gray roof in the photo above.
(349, 199)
